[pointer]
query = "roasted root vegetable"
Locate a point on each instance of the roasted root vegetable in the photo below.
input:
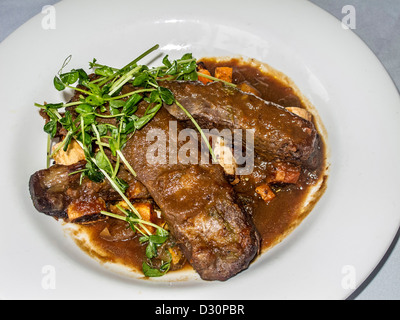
(265, 192)
(204, 79)
(224, 73)
(176, 255)
(285, 173)
(145, 210)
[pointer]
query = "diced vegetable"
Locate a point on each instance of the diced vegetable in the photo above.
(203, 79)
(176, 254)
(285, 173)
(265, 192)
(224, 73)
(145, 210)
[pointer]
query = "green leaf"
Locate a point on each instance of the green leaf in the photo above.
(193, 76)
(51, 128)
(66, 121)
(54, 105)
(140, 79)
(93, 63)
(187, 56)
(105, 90)
(128, 127)
(166, 62)
(58, 84)
(132, 101)
(115, 133)
(151, 272)
(94, 88)
(103, 162)
(154, 97)
(102, 129)
(70, 77)
(114, 111)
(89, 119)
(162, 232)
(173, 69)
(123, 139)
(83, 77)
(151, 250)
(104, 71)
(141, 122)
(113, 146)
(166, 95)
(165, 266)
(93, 173)
(117, 103)
(157, 239)
(189, 67)
(84, 108)
(94, 100)
(86, 136)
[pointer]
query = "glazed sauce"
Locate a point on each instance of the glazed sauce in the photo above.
(273, 219)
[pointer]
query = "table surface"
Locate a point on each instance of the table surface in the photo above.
(377, 24)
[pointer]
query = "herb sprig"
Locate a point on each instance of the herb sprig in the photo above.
(100, 99)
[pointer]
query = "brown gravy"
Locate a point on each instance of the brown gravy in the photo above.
(274, 220)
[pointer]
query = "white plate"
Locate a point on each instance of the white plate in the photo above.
(334, 249)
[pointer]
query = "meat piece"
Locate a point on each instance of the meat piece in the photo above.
(53, 190)
(215, 235)
(48, 188)
(278, 132)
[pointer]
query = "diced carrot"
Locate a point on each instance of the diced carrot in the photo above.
(145, 210)
(285, 173)
(176, 254)
(224, 73)
(203, 79)
(265, 192)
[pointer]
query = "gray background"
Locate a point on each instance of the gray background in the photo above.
(377, 24)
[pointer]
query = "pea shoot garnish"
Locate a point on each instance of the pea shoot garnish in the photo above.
(100, 99)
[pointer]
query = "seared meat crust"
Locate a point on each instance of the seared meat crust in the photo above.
(52, 190)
